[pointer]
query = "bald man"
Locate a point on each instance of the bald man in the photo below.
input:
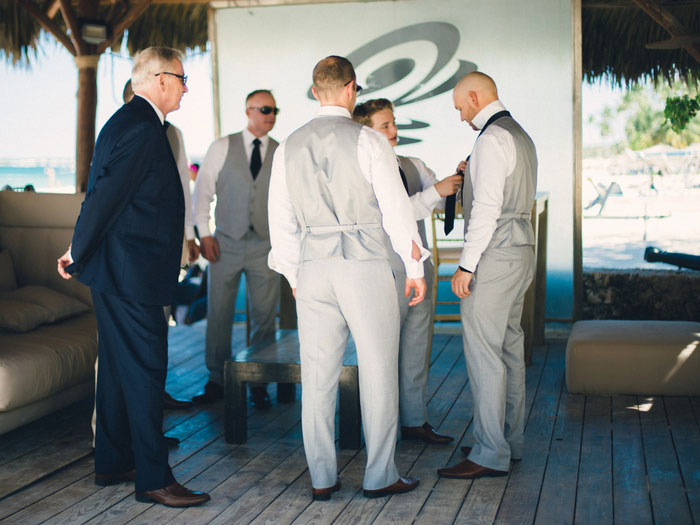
(335, 194)
(495, 269)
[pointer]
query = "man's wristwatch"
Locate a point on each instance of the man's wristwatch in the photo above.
(465, 270)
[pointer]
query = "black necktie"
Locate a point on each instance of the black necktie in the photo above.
(255, 159)
(451, 200)
(403, 179)
(166, 125)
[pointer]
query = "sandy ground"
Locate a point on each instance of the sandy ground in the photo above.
(666, 216)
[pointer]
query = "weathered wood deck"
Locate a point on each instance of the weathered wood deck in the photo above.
(587, 459)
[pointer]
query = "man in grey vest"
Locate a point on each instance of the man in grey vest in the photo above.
(335, 189)
(426, 193)
(236, 169)
(495, 269)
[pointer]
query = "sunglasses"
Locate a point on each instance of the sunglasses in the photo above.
(266, 110)
(358, 87)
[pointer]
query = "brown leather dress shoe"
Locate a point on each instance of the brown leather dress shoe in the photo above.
(426, 433)
(212, 392)
(402, 485)
(174, 495)
(174, 404)
(324, 494)
(467, 451)
(467, 469)
(105, 480)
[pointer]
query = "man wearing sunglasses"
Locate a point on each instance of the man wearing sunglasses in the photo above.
(335, 193)
(236, 169)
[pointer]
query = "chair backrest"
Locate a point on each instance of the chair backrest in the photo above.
(37, 228)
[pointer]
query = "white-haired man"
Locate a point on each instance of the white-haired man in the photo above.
(126, 247)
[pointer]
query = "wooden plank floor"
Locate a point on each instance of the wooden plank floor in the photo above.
(588, 459)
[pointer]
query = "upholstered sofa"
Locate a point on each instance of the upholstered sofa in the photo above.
(48, 332)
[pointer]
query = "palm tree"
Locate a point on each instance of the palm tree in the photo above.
(87, 28)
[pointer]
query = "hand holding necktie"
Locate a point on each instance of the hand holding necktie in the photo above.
(451, 201)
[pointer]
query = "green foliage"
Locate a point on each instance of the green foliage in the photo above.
(647, 122)
(679, 111)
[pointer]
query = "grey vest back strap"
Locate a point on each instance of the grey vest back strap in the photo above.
(334, 204)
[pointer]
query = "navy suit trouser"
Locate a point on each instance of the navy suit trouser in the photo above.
(133, 354)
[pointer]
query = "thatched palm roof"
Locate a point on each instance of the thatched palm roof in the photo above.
(179, 25)
(615, 33)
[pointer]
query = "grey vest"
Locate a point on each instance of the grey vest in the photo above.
(241, 202)
(513, 227)
(335, 205)
(414, 186)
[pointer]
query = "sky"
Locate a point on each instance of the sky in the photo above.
(39, 105)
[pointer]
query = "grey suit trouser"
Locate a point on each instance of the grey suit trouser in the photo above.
(494, 352)
(248, 255)
(335, 296)
(414, 345)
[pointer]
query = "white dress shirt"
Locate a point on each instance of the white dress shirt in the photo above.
(183, 169)
(492, 161)
(378, 165)
(208, 175)
(426, 200)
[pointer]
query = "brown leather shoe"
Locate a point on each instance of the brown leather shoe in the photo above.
(212, 392)
(402, 485)
(174, 495)
(467, 451)
(105, 480)
(175, 404)
(324, 494)
(467, 469)
(426, 433)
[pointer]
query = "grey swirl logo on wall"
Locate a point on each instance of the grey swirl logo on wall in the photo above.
(443, 35)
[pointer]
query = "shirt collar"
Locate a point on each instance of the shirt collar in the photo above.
(333, 111)
(248, 137)
(155, 108)
(485, 114)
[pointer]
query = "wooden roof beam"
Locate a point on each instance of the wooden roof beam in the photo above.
(73, 26)
(132, 14)
(670, 23)
(49, 25)
(52, 9)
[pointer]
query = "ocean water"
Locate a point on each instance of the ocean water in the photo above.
(58, 178)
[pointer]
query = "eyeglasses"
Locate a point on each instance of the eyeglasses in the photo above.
(266, 110)
(183, 78)
(358, 87)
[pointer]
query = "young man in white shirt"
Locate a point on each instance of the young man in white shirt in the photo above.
(426, 193)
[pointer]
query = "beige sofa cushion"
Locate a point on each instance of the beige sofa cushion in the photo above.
(7, 272)
(59, 306)
(20, 316)
(634, 357)
(51, 358)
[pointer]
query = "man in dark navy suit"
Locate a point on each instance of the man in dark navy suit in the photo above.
(126, 247)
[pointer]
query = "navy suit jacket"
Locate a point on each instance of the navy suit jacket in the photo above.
(128, 238)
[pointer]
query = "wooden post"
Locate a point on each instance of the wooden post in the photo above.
(85, 129)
